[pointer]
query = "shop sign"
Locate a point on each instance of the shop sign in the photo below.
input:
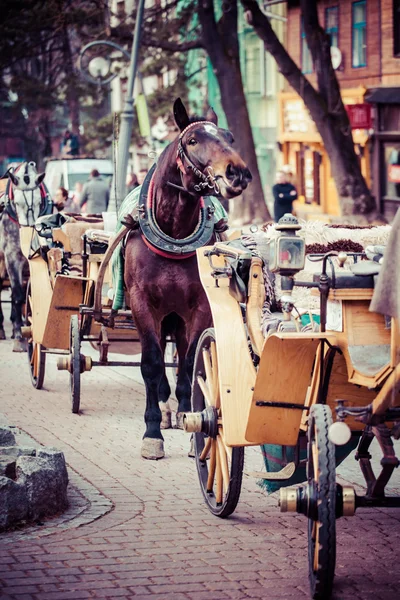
(394, 173)
(359, 115)
(296, 118)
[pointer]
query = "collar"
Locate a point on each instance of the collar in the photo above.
(163, 244)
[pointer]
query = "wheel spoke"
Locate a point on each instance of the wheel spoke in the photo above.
(209, 374)
(204, 388)
(224, 463)
(218, 481)
(316, 550)
(215, 374)
(211, 467)
(206, 449)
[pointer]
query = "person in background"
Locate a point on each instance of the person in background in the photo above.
(95, 194)
(141, 176)
(60, 200)
(70, 144)
(284, 194)
(131, 182)
(73, 204)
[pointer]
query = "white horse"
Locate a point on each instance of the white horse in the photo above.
(20, 206)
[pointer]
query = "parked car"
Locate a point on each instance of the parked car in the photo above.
(67, 172)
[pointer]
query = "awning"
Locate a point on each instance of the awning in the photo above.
(383, 95)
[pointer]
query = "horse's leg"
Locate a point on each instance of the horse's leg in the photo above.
(2, 332)
(184, 381)
(164, 391)
(17, 300)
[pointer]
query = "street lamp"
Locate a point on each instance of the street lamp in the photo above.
(100, 73)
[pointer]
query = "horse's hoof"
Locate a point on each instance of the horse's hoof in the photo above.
(166, 421)
(179, 420)
(152, 449)
(19, 346)
(192, 453)
(2, 334)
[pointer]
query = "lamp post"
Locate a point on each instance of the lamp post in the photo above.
(98, 69)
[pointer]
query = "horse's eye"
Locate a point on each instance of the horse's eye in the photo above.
(192, 142)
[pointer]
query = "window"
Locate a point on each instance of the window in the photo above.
(306, 59)
(253, 57)
(396, 28)
(331, 25)
(359, 34)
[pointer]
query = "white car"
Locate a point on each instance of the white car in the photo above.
(66, 172)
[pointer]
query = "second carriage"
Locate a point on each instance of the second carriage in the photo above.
(314, 394)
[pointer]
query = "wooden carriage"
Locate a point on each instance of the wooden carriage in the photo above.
(68, 305)
(294, 389)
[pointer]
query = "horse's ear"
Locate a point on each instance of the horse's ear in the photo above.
(211, 116)
(39, 178)
(13, 178)
(180, 114)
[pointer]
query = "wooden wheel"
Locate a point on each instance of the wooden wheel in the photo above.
(220, 468)
(75, 370)
(321, 466)
(36, 355)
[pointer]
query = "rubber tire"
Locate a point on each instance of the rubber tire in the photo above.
(321, 580)
(75, 375)
(232, 495)
(37, 382)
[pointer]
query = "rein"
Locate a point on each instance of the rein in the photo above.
(159, 242)
(46, 206)
(208, 179)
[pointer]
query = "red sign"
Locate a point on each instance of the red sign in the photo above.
(394, 173)
(359, 115)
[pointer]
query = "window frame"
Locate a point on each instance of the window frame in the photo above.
(356, 27)
(335, 29)
(303, 41)
(396, 28)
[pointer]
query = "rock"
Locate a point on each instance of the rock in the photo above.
(8, 458)
(7, 437)
(45, 479)
(13, 503)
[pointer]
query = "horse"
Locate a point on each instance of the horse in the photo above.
(161, 274)
(22, 203)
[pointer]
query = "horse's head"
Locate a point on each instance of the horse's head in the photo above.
(25, 194)
(206, 158)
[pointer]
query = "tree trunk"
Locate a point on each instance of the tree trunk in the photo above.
(222, 45)
(325, 106)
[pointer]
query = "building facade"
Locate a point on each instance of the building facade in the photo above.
(365, 38)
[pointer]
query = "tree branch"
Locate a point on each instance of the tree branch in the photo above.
(286, 64)
(172, 46)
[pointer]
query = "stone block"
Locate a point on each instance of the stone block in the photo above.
(13, 503)
(7, 437)
(45, 479)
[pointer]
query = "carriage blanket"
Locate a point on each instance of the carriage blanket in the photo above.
(129, 206)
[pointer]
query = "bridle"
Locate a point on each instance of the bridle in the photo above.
(207, 178)
(11, 209)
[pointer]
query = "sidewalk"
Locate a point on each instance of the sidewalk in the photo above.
(139, 529)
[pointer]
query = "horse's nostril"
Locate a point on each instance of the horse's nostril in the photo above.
(248, 175)
(230, 171)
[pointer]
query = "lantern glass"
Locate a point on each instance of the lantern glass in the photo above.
(287, 254)
(99, 67)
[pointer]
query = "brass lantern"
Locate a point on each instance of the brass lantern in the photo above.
(287, 252)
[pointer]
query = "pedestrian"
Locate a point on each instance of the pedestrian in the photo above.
(131, 182)
(284, 194)
(95, 194)
(141, 176)
(60, 200)
(73, 204)
(70, 144)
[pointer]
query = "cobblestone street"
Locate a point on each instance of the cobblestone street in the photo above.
(140, 529)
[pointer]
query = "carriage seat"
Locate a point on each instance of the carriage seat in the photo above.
(350, 280)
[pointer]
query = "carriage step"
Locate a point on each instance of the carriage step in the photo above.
(285, 473)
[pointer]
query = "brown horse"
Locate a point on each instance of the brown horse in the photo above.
(166, 296)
